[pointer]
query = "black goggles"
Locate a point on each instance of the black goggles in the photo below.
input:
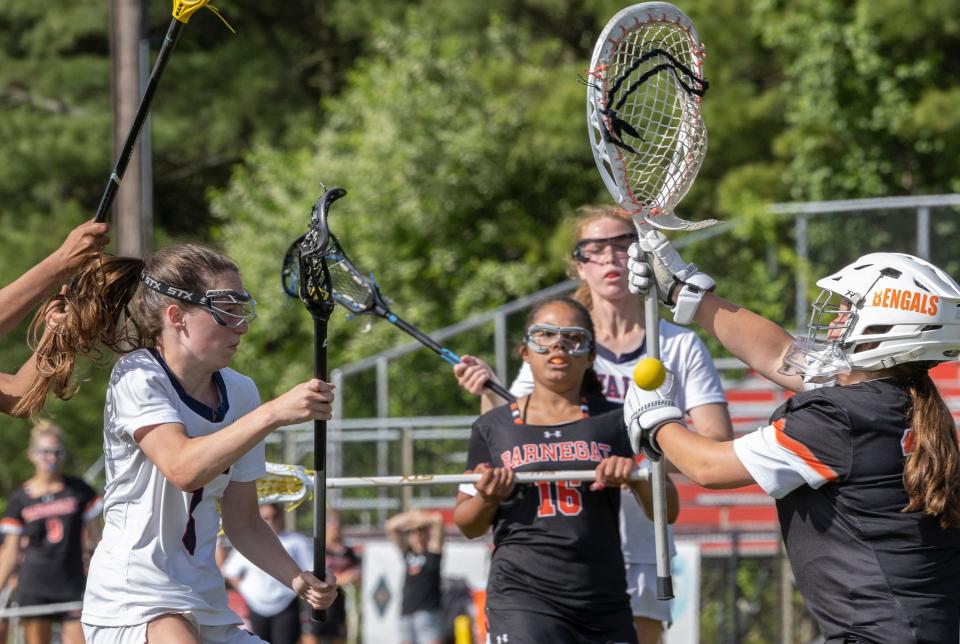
(245, 307)
(588, 248)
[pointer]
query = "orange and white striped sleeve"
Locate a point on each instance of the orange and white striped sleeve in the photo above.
(807, 444)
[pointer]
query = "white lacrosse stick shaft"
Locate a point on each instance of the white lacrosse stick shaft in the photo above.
(651, 312)
(458, 479)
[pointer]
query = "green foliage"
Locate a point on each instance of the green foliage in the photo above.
(453, 199)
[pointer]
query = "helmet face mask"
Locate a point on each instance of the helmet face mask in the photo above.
(832, 317)
(882, 310)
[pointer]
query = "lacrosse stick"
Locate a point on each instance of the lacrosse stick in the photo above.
(293, 483)
(316, 292)
(183, 10)
(361, 295)
(649, 140)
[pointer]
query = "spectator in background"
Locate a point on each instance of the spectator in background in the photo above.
(345, 564)
(274, 608)
(59, 516)
(20, 297)
(419, 535)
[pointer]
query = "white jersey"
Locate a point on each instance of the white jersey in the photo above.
(157, 551)
(265, 595)
(684, 354)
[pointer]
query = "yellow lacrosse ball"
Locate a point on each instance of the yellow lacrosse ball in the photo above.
(649, 373)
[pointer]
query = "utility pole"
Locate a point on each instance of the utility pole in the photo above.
(126, 20)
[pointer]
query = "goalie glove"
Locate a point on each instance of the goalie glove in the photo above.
(654, 262)
(645, 412)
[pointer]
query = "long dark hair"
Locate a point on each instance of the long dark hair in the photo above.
(590, 387)
(931, 473)
(108, 305)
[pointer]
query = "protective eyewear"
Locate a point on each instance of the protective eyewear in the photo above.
(228, 308)
(575, 340)
(59, 453)
(590, 248)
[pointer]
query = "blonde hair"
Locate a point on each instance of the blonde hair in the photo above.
(586, 216)
(43, 429)
(109, 305)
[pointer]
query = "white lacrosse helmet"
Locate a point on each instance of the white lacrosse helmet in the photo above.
(882, 310)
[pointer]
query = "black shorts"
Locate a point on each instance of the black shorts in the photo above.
(526, 627)
(282, 627)
(30, 595)
(336, 623)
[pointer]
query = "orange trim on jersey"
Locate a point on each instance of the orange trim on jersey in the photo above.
(802, 451)
(9, 522)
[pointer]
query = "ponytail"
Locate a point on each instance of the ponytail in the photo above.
(931, 473)
(95, 307)
(108, 305)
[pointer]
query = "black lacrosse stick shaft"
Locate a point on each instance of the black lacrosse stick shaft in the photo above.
(120, 167)
(443, 352)
(316, 292)
(320, 462)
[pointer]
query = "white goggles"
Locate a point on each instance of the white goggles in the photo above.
(575, 340)
(231, 308)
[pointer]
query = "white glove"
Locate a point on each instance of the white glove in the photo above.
(645, 412)
(655, 262)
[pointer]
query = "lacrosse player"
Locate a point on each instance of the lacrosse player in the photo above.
(557, 568)
(603, 236)
(863, 461)
(183, 434)
(59, 517)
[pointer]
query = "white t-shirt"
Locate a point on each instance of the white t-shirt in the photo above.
(684, 354)
(265, 595)
(157, 551)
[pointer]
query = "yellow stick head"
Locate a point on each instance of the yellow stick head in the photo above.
(183, 10)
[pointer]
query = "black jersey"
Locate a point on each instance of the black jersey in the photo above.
(421, 585)
(557, 545)
(867, 571)
(53, 525)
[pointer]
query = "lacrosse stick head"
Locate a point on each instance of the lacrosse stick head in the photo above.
(351, 288)
(183, 10)
(644, 90)
(290, 484)
(310, 255)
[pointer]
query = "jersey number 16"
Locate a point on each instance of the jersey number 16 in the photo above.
(561, 495)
